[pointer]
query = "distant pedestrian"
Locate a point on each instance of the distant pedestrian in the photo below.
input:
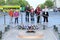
(16, 15)
(11, 15)
(45, 14)
(27, 9)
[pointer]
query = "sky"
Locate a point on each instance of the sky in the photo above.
(34, 3)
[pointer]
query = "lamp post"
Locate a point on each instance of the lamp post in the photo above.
(4, 16)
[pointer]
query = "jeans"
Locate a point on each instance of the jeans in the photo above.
(38, 19)
(16, 20)
(27, 16)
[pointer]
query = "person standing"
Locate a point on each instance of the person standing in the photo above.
(37, 11)
(27, 9)
(32, 13)
(16, 15)
(45, 14)
(11, 15)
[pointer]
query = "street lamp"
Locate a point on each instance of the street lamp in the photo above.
(4, 16)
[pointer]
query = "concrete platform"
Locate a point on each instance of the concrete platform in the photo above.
(15, 34)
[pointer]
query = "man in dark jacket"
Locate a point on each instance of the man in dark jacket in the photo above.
(27, 9)
(45, 16)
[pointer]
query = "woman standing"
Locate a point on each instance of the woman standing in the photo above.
(16, 15)
(37, 11)
(32, 13)
(11, 15)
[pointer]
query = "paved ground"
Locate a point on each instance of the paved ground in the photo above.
(15, 34)
(48, 34)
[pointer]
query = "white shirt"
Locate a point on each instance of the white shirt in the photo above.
(46, 9)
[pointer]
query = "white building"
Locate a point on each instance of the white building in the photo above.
(57, 3)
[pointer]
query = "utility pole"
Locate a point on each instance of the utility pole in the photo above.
(4, 20)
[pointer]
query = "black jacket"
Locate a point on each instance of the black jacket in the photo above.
(27, 9)
(45, 15)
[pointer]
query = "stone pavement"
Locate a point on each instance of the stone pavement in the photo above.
(15, 34)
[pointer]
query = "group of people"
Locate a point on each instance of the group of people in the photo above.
(37, 11)
(30, 11)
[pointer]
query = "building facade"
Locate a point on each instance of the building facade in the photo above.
(57, 3)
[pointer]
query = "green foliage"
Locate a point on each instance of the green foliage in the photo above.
(2, 2)
(14, 2)
(42, 6)
(49, 3)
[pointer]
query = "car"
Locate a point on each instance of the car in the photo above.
(50, 9)
(55, 9)
(58, 9)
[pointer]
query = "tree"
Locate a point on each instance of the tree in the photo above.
(49, 3)
(17, 2)
(13, 2)
(22, 3)
(2, 2)
(42, 6)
